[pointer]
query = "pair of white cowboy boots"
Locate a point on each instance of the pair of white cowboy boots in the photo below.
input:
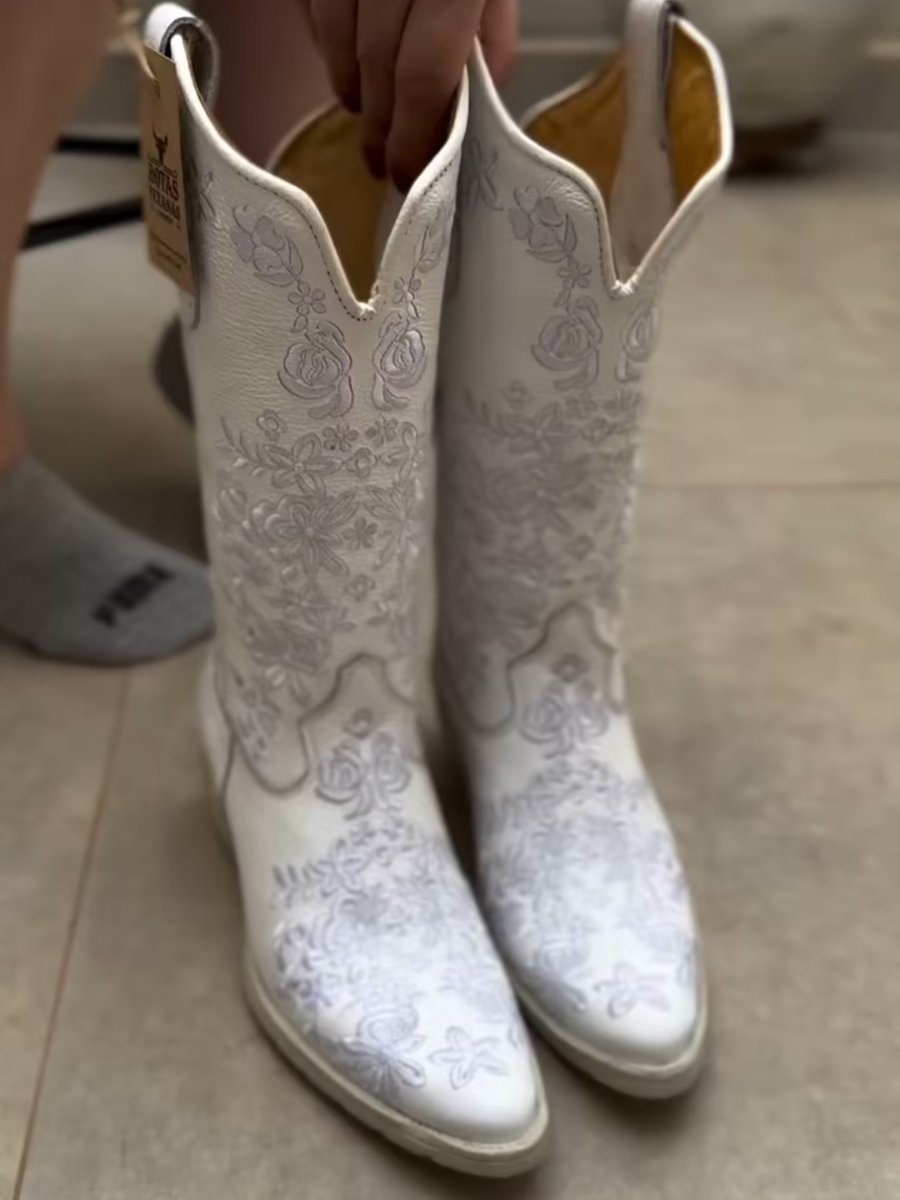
(368, 960)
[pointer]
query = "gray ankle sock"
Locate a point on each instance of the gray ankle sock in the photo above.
(76, 585)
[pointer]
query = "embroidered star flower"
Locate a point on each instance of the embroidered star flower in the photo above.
(466, 1056)
(628, 988)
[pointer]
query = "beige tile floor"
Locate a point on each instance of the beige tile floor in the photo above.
(765, 639)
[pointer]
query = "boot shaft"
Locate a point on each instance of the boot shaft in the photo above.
(565, 236)
(313, 404)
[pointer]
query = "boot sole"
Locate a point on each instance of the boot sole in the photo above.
(644, 1081)
(496, 1160)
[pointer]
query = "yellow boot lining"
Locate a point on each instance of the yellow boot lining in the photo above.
(585, 128)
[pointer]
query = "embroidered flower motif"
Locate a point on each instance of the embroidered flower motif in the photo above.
(339, 438)
(361, 534)
(381, 1058)
(271, 425)
(362, 462)
(400, 360)
(476, 176)
(384, 430)
(574, 274)
(466, 1056)
(401, 356)
(359, 587)
(628, 988)
(364, 773)
(257, 240)
(638, 343)
(305, 529)
(316, 370)
(569, 341)
(201, 210)
(307, 300)
(406, 290)
(561, 719)
(304, 465)
(282, 647)
(436, 239)
(537, 220)
(398, 510)
(407, 458)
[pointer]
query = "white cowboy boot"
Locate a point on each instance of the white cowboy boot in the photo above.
(566, 231)
(367, 960)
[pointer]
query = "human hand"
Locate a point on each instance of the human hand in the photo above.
(399, 63)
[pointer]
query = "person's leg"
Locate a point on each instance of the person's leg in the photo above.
(74, 584)
(48, 52)
(272, 73)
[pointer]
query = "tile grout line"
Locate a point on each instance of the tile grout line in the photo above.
(84, 871)
(775, 485)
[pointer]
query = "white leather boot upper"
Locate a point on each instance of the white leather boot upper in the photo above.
(368, 961)
(552, 316)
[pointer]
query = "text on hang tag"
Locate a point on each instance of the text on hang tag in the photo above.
(165, 202)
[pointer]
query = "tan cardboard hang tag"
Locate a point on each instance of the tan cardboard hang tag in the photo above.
(165, 208)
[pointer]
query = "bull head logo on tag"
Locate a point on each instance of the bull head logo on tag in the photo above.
(162, 145)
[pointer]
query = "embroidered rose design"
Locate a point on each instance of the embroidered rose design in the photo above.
(566, 714)
(638, 343)
(569, 342)
(317, 370)
(364, 773)
(400, 360)
(401, 356)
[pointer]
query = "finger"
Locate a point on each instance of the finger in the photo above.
(380, 26)
(499, 31)
(436, 43)
(334, 28)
